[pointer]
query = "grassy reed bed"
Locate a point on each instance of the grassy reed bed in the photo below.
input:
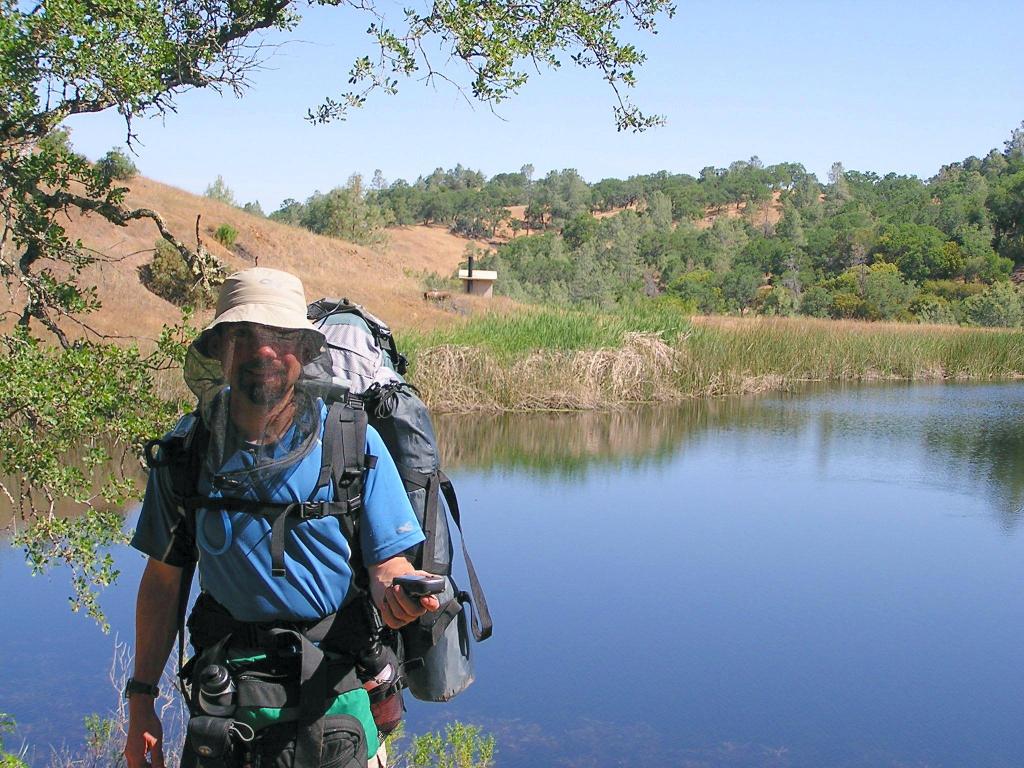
(551, 360)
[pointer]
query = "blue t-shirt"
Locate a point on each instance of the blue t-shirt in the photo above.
(234, 546)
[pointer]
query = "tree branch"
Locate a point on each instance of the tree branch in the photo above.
(205, 267)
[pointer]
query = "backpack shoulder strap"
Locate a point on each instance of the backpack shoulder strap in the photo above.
(343, 464)
(182, 455)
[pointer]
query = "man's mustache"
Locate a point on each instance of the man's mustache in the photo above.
(263, 368)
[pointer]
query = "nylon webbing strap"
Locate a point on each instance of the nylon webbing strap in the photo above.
(481, 616)
(183, 459)
(314, 689)
(279, 515)
(432, 523)
(345, 453)
(326, 452)
(411, 478)
(445, 617)
(342, 632)
(345, 446)
(278, 532)
(415, 480)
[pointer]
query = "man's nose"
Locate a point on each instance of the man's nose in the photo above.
(266, 349)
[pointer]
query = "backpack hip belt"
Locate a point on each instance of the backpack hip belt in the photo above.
(321, 681)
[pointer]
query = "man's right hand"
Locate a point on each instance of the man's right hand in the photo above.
(145, 734)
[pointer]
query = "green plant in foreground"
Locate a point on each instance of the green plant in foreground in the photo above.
(98, 731)
(461, 746)
(9, 759)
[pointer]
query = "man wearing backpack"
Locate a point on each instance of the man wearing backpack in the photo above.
(288, 545)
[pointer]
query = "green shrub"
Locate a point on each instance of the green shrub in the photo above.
(929, 308)
(777, 301)
(846, 305)
(998, 307)
(816, 302)
(435, 282)
(699, 287)
(116, 165)
(226, 235)
(169, 277)
(669, 303)
(886, 294)
(952, 290)
(461, 746)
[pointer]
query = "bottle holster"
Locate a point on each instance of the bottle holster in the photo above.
(217, 740)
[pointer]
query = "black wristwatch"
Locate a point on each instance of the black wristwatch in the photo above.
(134, 686)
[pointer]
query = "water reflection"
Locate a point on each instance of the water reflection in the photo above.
(969, 436)
(571, 445)
(990, 458)
(127, 468)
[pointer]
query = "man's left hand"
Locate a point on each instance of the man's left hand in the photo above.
(397, 608)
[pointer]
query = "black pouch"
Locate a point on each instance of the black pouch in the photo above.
(215, 740)
(344, 744)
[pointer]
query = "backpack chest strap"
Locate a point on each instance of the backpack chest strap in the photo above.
(279, 514)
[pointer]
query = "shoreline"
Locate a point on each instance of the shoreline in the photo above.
(461, 370)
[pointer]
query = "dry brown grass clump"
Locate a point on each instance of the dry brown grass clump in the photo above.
(720, 357)
(458, 379)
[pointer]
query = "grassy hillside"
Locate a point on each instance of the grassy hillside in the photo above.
(388, 281)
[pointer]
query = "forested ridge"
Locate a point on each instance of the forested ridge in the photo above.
(748, 238)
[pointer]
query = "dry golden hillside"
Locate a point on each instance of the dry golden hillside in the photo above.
(767, 214)
(388, 281)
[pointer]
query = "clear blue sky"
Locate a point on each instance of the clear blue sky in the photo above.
(881, 86)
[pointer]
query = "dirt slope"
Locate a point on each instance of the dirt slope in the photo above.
(387, 281)
(432, 248)
(768, 214)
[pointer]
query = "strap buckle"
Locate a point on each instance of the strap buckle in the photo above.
(305, 510)
(349, 476)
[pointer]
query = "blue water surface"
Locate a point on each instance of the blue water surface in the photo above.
(826, 579)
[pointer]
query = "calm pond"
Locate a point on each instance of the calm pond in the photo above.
(834, 578)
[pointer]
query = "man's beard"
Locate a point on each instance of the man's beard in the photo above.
(262, 390)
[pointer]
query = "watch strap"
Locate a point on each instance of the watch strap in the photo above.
(134, 686)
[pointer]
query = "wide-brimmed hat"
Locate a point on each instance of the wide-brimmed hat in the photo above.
(264, 296)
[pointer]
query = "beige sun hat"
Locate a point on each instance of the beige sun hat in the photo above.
(263, 296)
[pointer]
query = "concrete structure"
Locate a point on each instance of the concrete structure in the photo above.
(479, 282)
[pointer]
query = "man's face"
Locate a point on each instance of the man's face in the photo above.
(260, 362)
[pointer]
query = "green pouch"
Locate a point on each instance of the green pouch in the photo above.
(266, 696)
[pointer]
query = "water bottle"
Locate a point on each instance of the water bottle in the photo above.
(378, 669)
(216, 691)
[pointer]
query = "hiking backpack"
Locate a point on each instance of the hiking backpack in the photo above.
(360, 358)
(325, 681)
